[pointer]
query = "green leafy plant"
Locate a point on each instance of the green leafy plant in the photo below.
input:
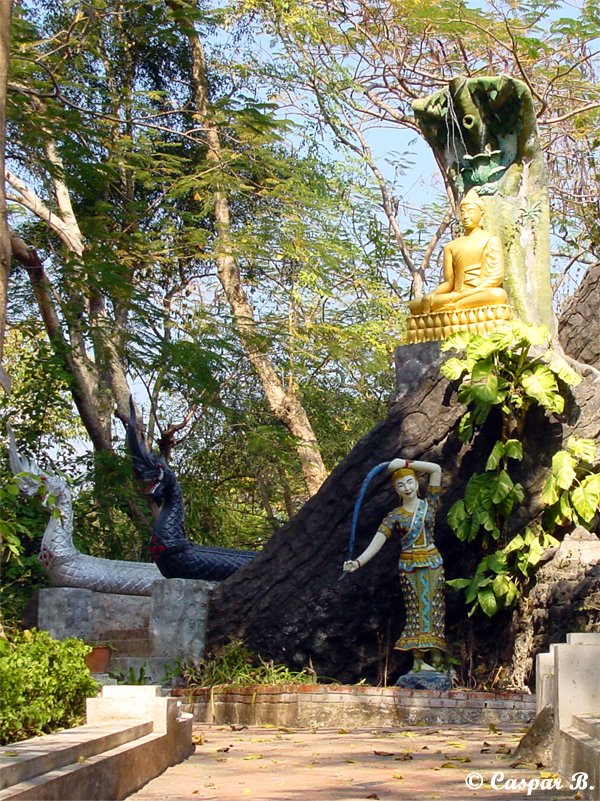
(512, 370)
(130, 676)
(499, 576)
(43, 684)
(572, 490)
(234, 666)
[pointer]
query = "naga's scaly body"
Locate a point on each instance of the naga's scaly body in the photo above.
(64, 564)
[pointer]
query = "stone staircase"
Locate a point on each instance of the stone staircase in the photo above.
(568, 680)
(132, 735)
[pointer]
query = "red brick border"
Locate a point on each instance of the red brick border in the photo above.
(342, 705)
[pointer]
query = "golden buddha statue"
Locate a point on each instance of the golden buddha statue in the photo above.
(471, 296)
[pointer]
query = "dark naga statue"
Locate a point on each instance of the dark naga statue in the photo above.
(174, 554)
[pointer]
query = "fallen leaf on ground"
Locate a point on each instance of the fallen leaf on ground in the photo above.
(224, 750)
(502, 749)
(237, 728)
(343, 731)
(397, 776)
(384, 753)
(374, 796)
(457, 758)
(404, 757)
(253, 756)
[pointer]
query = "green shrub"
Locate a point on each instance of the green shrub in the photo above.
(43, 684)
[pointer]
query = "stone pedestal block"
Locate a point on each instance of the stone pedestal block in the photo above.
(179, 617)
(92, 616)
(149, 633)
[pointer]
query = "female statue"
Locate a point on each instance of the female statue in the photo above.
(420, 563)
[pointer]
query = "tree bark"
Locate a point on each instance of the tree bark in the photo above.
(579, 327)
(5, 248)
(284, 404)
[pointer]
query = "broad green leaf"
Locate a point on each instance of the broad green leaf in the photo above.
(466, 427)
(584, 449)
(453, 369)
(478, 491)
(503, 486)
(457, 341)
(506, 506)
(512, 594)
(491, 390)
(515, 544)
(550, 491)
(540, 384)
(514, 449)
(566, 509)
(488, 601)
(501, 585)
(480, 413)
(563, 469)
(498, 451)
(481, 371)
(564, 371)
(531, 334)
(480, 347)
(496, 562)
(459, 584)
(586, 497)
(458, 520)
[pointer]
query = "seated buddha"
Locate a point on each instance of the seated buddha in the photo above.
(473, 267)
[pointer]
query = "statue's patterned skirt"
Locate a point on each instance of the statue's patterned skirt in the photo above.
(423, 592)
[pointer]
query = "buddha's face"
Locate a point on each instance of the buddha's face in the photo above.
(470, 214)
(406, 487)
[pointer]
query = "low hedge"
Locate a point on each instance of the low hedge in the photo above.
(43, 684)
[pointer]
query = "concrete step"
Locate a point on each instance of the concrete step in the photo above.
(29, 758)
(579, 759)
(588, 724)
(110, 774)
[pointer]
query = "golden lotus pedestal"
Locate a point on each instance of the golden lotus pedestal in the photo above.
(442, 324)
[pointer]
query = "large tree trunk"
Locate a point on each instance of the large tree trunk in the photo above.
(288, 604)
(284, 403)
(5, 248)
(579, 327)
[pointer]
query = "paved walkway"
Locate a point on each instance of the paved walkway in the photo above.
(261, 763)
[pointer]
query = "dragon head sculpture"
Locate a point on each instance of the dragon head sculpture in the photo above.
(147, 467)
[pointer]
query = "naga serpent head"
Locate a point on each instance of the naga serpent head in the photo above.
(31, 479)
(146, 466)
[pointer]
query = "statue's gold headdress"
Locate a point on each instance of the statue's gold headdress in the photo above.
(401, 472)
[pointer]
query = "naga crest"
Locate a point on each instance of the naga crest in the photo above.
(146, 466)
(31, 478)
